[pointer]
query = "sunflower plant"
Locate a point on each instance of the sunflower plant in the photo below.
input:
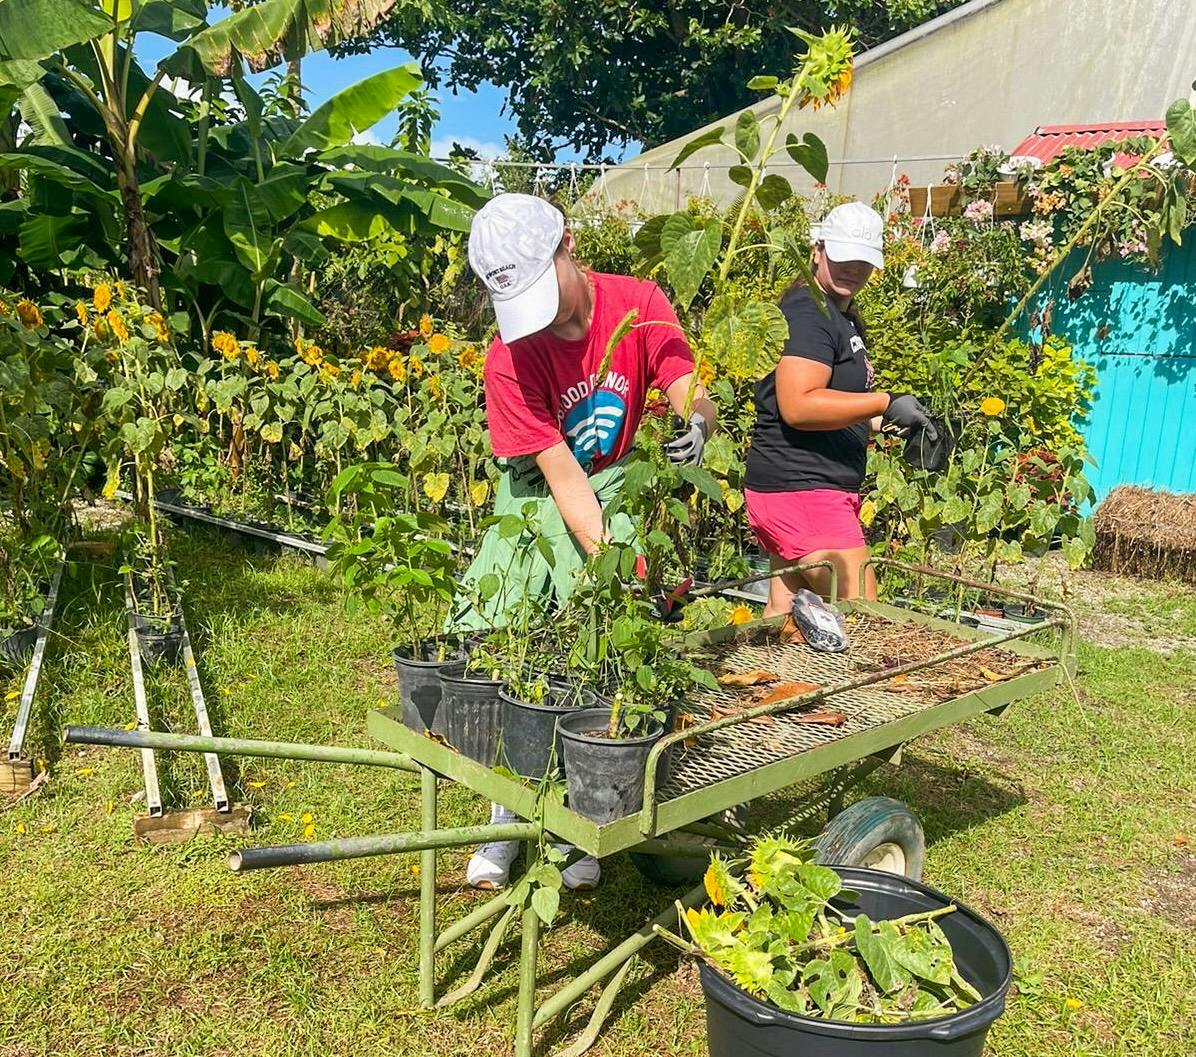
(774, 928)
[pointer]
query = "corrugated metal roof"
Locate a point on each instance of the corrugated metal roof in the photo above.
(1047, 141)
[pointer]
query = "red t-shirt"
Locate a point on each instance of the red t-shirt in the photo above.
(541, 389)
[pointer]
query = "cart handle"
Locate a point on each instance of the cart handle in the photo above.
(1066, 647)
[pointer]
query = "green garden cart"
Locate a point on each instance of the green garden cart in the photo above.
(905, 674)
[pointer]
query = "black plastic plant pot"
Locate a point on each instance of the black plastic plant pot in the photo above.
(604, 776)
(530, 745)
(739, 1025)
(159, 638)
(470, 713)
(16, 647)
(419, 681)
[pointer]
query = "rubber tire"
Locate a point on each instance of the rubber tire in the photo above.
(673, 872)
(859, 830)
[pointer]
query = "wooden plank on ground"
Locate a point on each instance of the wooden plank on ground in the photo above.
(176, 827)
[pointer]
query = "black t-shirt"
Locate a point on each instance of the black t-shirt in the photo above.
(783, 459)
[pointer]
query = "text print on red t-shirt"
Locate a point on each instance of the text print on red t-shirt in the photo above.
(592, 417)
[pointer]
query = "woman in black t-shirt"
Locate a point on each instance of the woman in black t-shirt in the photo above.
(814, 413)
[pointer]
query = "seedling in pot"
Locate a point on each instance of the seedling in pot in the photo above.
(775, 932)
(391, 561)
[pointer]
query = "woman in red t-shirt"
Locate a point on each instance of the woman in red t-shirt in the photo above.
(561, 430)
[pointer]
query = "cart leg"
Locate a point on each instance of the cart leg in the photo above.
(528, 955)
(427, 893)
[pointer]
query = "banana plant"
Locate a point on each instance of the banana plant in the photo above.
(132, 152)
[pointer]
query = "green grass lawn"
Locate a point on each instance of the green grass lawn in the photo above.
(1064, 821)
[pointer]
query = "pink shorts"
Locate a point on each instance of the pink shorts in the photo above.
(794, 524)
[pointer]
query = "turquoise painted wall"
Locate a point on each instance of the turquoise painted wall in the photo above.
(1137, 327)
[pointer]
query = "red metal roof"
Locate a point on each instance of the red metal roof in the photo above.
(1047, 141)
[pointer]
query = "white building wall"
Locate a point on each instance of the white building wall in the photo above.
(988, 72)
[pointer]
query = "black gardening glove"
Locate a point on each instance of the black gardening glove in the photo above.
(909, 413)
(686, 448)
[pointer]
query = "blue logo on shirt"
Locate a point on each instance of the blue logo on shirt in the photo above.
(592, 428)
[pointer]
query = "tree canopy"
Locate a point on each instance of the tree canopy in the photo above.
(592, 73)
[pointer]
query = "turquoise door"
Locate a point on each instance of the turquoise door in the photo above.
(1138, 329)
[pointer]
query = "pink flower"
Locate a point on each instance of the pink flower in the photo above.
(978, 211)
(940, 244)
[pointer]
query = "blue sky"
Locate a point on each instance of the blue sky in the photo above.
(474, 119)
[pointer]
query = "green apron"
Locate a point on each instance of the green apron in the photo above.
(521, 568)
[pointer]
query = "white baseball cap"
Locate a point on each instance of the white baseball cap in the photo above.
(853, 232)
(512, 242)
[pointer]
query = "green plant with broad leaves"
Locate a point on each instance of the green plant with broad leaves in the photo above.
(391, 561)
(617, 645)
(691, 250)
(775, 931)
(27, 561)
(223, 210)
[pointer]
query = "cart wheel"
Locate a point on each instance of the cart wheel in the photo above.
(877, 832)
(684, 870)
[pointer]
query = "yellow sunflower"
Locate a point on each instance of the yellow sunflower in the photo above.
(271, 370)
(29, 314)
(741, 614)
(119, 330)
(992, 406)
(397, 369)
(82, 314)
(416, 366)
(425, 325)
(156, 321)
(226, 344)
(439, 343)
(252, 356)
(434, 387)
(102, 297)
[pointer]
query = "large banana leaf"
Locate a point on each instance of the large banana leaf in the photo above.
(287, 301)
(248, 226)
(40, 112)
(207, 257)
(355, 221)
(175, 19)
(351, 110)
(36, 29)
(50, 242)
(64, 165)
(274, 31)
(370, 157)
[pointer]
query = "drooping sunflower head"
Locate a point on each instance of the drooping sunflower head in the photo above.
(826, 69)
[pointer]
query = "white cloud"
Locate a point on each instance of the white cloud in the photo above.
(369, 136)
(442, 145)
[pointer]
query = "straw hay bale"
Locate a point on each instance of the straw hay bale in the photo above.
(1141, 532)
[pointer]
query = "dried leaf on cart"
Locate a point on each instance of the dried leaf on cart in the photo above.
(785, 691)
(685, 721)
(790, 632)
(822, 719)
(991, 676)
(756, 677)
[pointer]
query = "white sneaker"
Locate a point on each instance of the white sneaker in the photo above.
(581, 875)
(490, 866)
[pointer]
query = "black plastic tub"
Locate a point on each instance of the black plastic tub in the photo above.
(16, 647)
(738, 1025)
(470, 713)
(530, 745)
(419, 681)
(160, 638)
(604, 776)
